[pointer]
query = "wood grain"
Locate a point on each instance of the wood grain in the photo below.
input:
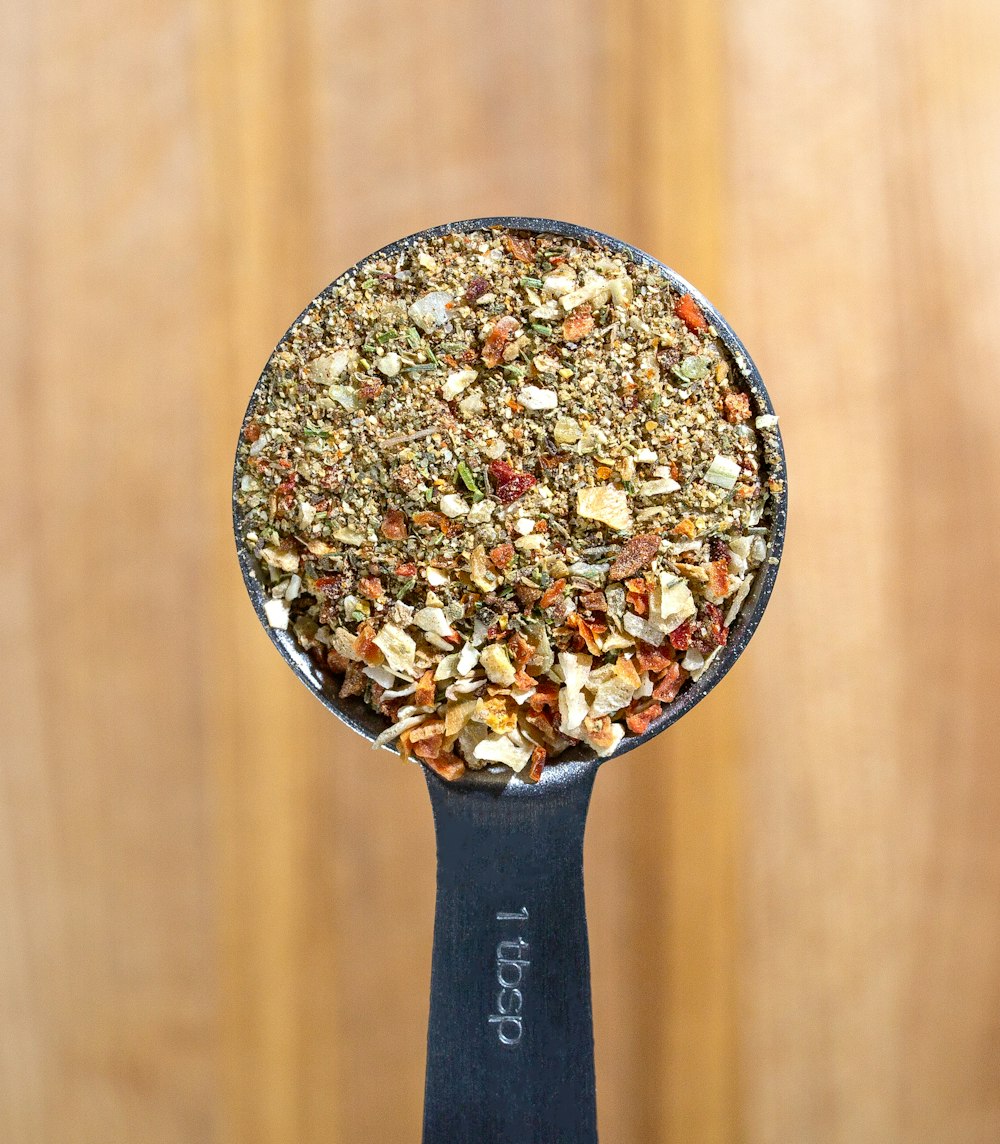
(215, 905)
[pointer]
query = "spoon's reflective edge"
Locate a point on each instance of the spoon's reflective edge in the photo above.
(571, 765)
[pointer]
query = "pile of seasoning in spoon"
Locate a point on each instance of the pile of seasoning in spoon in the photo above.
(509, 489)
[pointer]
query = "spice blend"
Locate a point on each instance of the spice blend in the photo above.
(509, 489)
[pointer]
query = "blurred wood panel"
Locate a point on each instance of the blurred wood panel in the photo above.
(215, 905)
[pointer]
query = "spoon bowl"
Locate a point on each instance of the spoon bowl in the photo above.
(510, 1040)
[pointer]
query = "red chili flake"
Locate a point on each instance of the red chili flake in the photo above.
(680, 637)
(578, 323)
(687, 310)
(552, 593)
(370, 389)
(638, 602)
(424, 695)
(522, 680)
(523, 249)
(670, 684)
(638, 719)
(371, 588)
(503, 555)
(652, 659)
(546, 694)
(394, 525)
(508, 483)
(718, 577)
(534, 770)
(405, 570)
(476, 289)
(521, 650)
(449, 766)
(586, 631)
(636, 554)
(497, 339)
(714, 632)
(329, 585)
(434, 520)
(251, 431)
(737, 407)
(364, 644)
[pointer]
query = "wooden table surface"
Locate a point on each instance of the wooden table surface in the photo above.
(215, 904)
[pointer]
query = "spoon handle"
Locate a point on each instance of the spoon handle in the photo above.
(510, 1042)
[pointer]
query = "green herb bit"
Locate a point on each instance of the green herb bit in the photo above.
(312, 431)
(413, 337)
(541, 328)
(537, 282)
(386, 337)
(516, 370)
(433, 356)
(370, 349)
(422, 367)
(465, 473)
(407, 585)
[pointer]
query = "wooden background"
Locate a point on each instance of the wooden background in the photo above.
(215, 905)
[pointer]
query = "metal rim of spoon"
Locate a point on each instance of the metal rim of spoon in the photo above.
(510, 1037)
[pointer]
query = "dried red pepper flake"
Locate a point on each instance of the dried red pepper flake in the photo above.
(502, 556)
(364, 644)
(533, 771)
(680, 637)
(521, 247)
(651, 659)
(546, 694)
(497, 339)
(638, 602)
(393, 525)
(508, 483)
(476, 289)
(713, 632)
(329, 585)
(637, 553)
(435, 520)
(371, 588)
(424, 695)
(718, 577)
(736, 407)
(519, 648)
(552, 593)
(578, 323)
(587, 632)
(686, 308)
(670, 683)
(639, 718)
(405, 570)
(448, 766)
(251, 432)
(370, 388)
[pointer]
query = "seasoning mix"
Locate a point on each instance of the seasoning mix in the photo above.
(509, 489)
